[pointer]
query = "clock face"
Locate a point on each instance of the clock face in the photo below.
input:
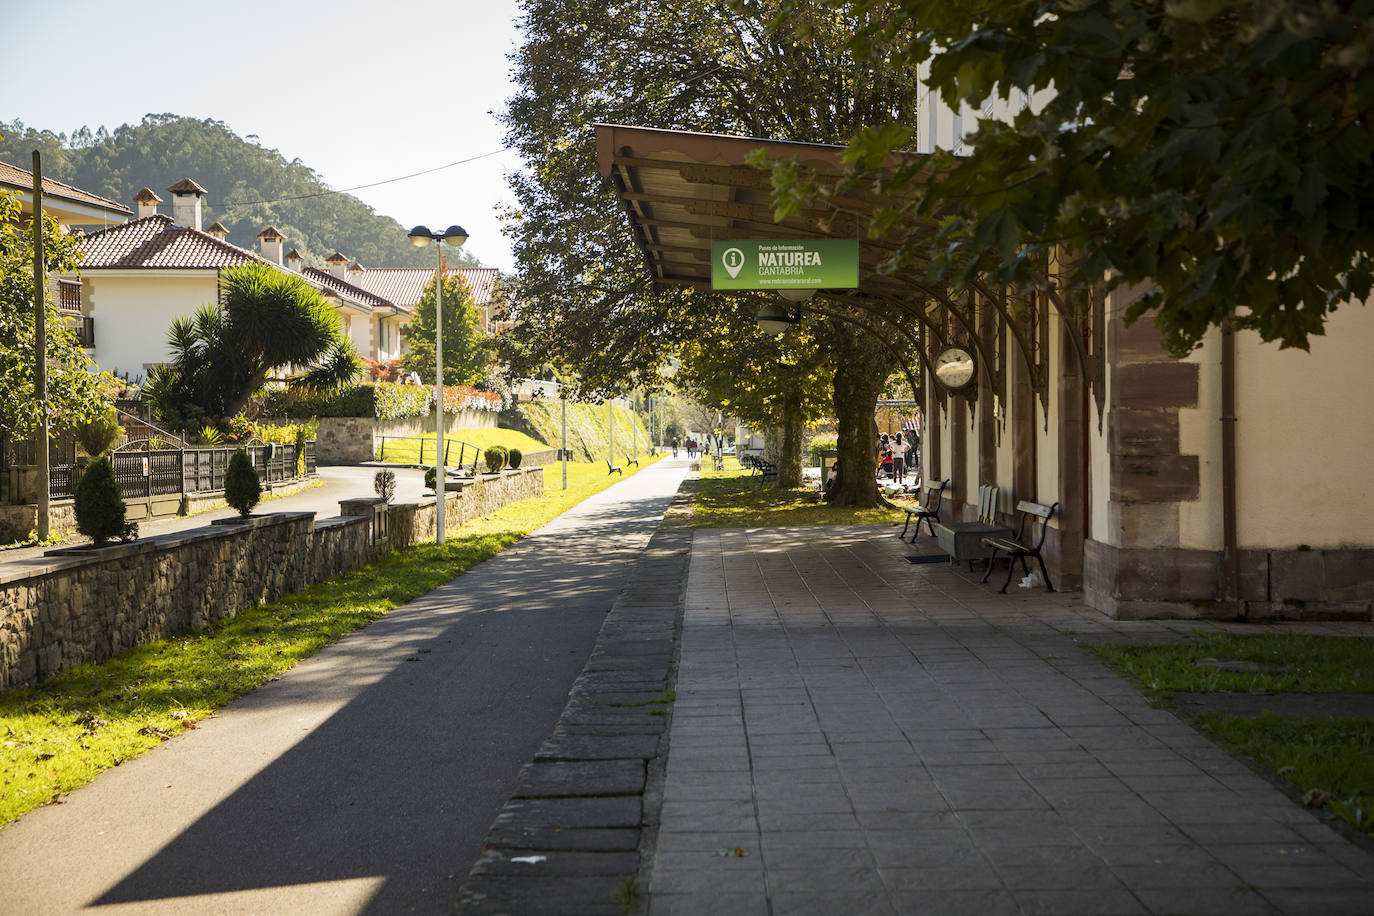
(954, 367)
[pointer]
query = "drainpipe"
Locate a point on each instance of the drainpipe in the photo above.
(1231, 554)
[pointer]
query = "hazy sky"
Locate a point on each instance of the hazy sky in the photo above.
(359, 90)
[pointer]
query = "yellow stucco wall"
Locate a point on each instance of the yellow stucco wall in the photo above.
(1047, 434)
(1305, 437)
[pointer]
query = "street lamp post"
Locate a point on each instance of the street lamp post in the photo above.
(420, 236)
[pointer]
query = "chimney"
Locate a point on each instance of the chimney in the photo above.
(270, 240)
(355, 273)
(217, 230)
(147, 203)
(337, 265)
(186, 200)
(294, 259)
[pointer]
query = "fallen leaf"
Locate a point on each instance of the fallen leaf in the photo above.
(1315, 798)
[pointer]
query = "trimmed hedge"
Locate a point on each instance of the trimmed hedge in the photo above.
(382, 401)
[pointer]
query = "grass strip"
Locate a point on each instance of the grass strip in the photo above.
(1330, 761)
(406, 450)
(1292, 663)
(60, 735)
(737, 498)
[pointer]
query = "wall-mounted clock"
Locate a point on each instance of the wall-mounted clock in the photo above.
(954, 367)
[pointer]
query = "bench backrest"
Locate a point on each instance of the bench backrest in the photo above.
(987, 504)
(935, 494)
(1029, 509)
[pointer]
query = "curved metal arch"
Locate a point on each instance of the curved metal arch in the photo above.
(986, 362)
(1093, 367)
(1039, 380)
(882, 341)
(857, 302)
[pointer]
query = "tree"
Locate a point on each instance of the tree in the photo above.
(467, 351)
(587, 302)
(266, 320)
(99, 504)
(75, 393)
(763, 381)
(1221, 149)
(242, 489)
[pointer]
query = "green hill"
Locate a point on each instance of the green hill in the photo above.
(165, 148)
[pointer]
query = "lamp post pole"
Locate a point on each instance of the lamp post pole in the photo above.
(420, 236)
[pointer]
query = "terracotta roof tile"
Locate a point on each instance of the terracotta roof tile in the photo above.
(156, 242)
(343, 288)
(216, 228)
(269, 233)
(335, 258)
(12, 176)
(404, 285)
(186, 186)
(146, 196)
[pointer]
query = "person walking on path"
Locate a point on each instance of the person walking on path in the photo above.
(675, 446)
(899, 450)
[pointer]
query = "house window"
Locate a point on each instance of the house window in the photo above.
(69, 295)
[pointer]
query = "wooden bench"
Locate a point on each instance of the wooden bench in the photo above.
(963, 540)
(766, 469)
(1017, 547)
(634, 461)
(614, 469)
(934, 496)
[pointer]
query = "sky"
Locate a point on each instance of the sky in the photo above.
(361, 91)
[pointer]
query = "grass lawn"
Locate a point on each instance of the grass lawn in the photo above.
(1332, 756)
(737, 498)
(407, 450)
(59, 736)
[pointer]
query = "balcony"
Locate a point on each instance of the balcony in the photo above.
(69, 296)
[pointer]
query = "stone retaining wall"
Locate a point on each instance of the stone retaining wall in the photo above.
(88, 605)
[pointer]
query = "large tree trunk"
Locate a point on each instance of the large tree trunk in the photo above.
(790, 461)
(861, 370)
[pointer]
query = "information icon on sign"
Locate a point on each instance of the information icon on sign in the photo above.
(733, 259)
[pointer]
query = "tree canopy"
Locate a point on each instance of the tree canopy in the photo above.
(75, 393)
(1221, 149)
(467, 351)
(266, 320)
(248, 186)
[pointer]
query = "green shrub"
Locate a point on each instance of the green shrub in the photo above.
(242, 489)
(515, 457)
(98, 436)
(496, 456)
(99, 503)
(430, 477)
(822, 443)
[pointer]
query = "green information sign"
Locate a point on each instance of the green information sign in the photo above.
(785, 264)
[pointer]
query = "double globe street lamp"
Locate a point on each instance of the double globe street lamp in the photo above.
(420, 236)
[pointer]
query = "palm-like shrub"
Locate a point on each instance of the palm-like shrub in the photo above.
(98, 436)
(242, 489)
(514, 458)
(495, 456)
(265, 319)
(99, 503)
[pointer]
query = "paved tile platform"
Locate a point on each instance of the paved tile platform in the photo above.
(855, 734)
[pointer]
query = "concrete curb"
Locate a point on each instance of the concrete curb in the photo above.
(572, 832)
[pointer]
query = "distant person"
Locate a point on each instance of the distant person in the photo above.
(899, 449)
(675, 446)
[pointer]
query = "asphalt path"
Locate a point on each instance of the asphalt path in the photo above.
(366, 778)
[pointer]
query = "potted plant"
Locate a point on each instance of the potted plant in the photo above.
(242, 489)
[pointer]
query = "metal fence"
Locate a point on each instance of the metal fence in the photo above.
(145, 472)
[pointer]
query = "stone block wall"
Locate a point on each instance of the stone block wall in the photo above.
(89, 605)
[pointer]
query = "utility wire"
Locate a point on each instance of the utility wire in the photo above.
(360, 187)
